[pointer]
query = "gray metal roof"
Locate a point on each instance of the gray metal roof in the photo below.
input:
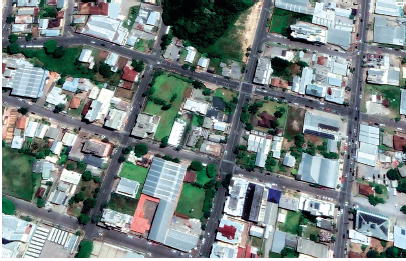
(399, 234)
(164, 179)
(182, 241)
(311, 248)
(289, 160)
(28, 81)
(339, 37)
(290, 203)
(298, 6)
(316, 90)
(388, 7)
(316, 169)
(94, 161)
(278, 242)
(372, 224)
(127, 186)
(403, 102)
(162, 220)
(369, 134)
(332, 146)
(387, 34)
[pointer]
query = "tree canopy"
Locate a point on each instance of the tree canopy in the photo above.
(85, 249)
(196, 165)
(140, 149)
(7, 207)
(393, 174)
(50, 46)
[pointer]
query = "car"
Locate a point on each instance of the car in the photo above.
(149, 243)
(173, 251)
(346, 204)
(225, 152)
(396, 205)
(208, 234)
(338, 213)
(342, 211)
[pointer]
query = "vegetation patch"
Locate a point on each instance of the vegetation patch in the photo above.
(391, 93)
(191, 201)
(7, 207)
(291, 224)
(122, 204)
(283, 19)
(132, 14)
(295, 119)
(134, 172)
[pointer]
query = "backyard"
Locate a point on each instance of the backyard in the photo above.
(191, 201)
(295, 122)
(136, 173)
(282, 19)
(226, 94)
(165, 86)
(88, 188)
(132, 14)
(391, 93)
(291, 224)
(18, 180)
(77, 112)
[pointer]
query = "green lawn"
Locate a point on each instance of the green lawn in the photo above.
(122, 204)
(165, 86)
(256, 242)
(389, 92)
(310, 230)
(132, 14)
(274, 255)
(18, 180)
(134, 172)
(270, 107)
(191, 201)
(291, 223)
(7, 206)
(226, 94)
(282, 19)
(202, 177)
(140, 45)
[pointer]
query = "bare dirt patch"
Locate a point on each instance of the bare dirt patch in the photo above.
(102, 55)
(251, 24)
(313, 139)
(123, 93)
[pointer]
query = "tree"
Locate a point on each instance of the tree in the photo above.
(248, 126)
(164, 142)
(87, 176)
(185, 66)
(196, 166)
(372, 254)
(206, 92)
(13, 38)
(80, 196)
(10, 19)
(70, 166)
(403, 209)
(50, 46)
(89, 202)
(363, 247)
(105, 70)
(121, 159)
(83, 219)
(28, 37)
(278, 114)
(7, 207)
(166, 107)
(401, 187)
(314, 238)
(253, 108)
(383, 243)
(14, 48)
(393, 174)
(28, 53)
(140, 149)
(85, 249)
(96, 179)
(59, 52)
(378, 190)
(40, 203)
(58, 108)
(23, 110)
(211, 170)
(138, 65)
(375, 200)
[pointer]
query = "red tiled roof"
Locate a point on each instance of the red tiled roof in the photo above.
(189, 177)
(21, 122)
(127, 85)
(241, 252)
(283, 84)
(128, 74)
(248, 252)
(140, 224)
(321, 60)
(398, 142)
(40, 192)
(228, 231)
(53, 23)
(88, 8)
(275, 82)
(74, 103)
(365, 190)
(86, 108)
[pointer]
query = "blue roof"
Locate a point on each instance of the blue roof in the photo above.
(334, 81)
(274, 195)
(71, 86)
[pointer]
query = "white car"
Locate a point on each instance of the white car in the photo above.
(396, 205)
(149, 243)
(173, 251)
(346, 204)
(338, 213)
(342, 211)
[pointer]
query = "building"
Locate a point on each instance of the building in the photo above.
(332, 146)
(40, 132)
(55, 96)
(278, 242)
(31, 129)
(306, 79)
(260, 145)
(105, 28)
(25, 80)
(85, 56)
(253, 202)
(116, 220)
(74, 103)
(365, 190)
(319, 170)
(263, 72)
(316, 207)
(44, 167)
(176, 133)
(164, 182)
(388, 76)
(69, 139)
(340, 37)
(203, 62)
(298, 6)
(56, 147)
(321, 126)
(93, 161)
(129, 75)
(319, 91)
(403, 102)
(191, 53)
(115, 119)
(97, 148)
(70, 177)
(127, 187)
(143, 215)
(359, 238)
(15, 233)
(222, 250)
(100, 107)
(289, 203)
(326, 224)
(369, 134)
(335, 95)
(310, 248)
(388, 31)
(235, 201)
(276, 147)
(196, 106)
(145, 126)
(367, 154)
(389, 7)
(399, 236)
(372, 224)
(309, 32)
(211, 148)
(229, 231)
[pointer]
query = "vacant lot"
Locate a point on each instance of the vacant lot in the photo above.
(123, 204)
(310, 230)
(282, 19)
(291, 223)
(166, 86)
(391, 93)
(226, 94)
(294, 124)
(134, 172)
(191, 201)
(18, 180)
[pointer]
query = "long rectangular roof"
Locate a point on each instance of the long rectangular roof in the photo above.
(316, 169)
(369, 134)
(387, 34)
(403, 102)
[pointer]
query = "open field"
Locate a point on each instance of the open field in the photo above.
(291, 223)
(165, 86)
(226, 94)
(294, 124)
(134, 172)
(123, 204)
(388, 92)
(282, 19)
(18, 180)
(191, 201)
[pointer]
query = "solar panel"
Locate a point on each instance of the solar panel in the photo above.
(320, 134)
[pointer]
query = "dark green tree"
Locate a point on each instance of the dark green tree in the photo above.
(105, 70)
(23, 110)
(87, 176)
(13, 38)
(85, 249)
(83, 219)
(140, 149)
(393, 174)
(164, 142)
(196, 166)
(13, 48)
(50, 46)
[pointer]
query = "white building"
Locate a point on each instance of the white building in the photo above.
(191, 53)
(176, 132)
(196, 106)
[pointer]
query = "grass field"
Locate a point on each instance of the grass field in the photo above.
(202, 177)
(18, 180)
(310, 230)
(282, 19)
(134, 172)
(165, 86)
(191, 201)
(123, 204)
(270, 107)
(226, 94)
(291, 223)
(389, 92)
(294, 125)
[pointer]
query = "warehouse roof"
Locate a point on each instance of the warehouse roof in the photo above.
(369, 134)
(316, 169)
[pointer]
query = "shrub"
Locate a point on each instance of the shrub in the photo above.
(14, 48)
(7, 207)
(23, 110)
(393, 174)
(196, 166)
(403, 209)
(13, 38)
(87, 176)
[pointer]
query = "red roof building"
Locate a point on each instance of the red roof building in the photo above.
(74, 103)
(190, 177)
(266, 120)
(129, 75)
(365, 190)
(140, 222)
(321, 60)
(21, 122)
(275, 82)
(3, 67)
(398, 142)
(228, 231)
(86, 108)
(89, 9)
(352, 254)
(40, 192)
